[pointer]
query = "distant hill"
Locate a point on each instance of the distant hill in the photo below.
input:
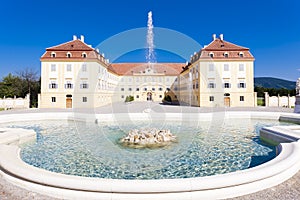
(269, 82)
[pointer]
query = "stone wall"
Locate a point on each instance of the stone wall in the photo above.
(279, 101)
(11, 103)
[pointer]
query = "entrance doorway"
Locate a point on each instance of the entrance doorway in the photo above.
(149, 96)
(68, 101)
(227, 101)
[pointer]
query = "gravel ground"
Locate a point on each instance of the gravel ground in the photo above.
(289, 190)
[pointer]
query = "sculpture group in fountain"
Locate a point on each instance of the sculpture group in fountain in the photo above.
(148, 137)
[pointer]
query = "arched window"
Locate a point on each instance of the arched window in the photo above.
(241, 54)
(211, 54)
(83, 55)
(53, 55)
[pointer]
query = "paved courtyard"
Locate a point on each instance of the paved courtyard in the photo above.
(289, 190)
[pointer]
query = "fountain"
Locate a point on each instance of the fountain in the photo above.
(150, 57)
(148, 137)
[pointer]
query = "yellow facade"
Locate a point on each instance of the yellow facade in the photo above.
(220, 75)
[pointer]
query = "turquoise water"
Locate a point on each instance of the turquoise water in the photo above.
(93, 150)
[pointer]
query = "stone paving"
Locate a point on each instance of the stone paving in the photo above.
(289, 190)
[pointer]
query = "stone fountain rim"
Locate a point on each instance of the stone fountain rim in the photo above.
(285, 165)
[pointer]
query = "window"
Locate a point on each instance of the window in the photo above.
(211, 98)
(242, 98)
(168, 89)
(53, 85)
(69, 67)
(211, 67)
(160, 89)
(226, 67)
(137, 96)
(53, 67)
(211, 85)
(69, 85)
(227, 85)
(242, 85)
(211, 54)
(153, 89)
(84, 86)
(145, 89)
(122, 89)
(241, 67)
(122, 96)
(53, 55)
(84, 68)
(160, 96)
(84, 99)
(69, 55)
(129, 89)
(137, 89)
(226, 55)
(53, 99)
(241, 54)
(197, 85)
(84, 55)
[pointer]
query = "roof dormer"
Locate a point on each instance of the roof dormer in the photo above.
(69, 55)
(226, 54)
(53, 54)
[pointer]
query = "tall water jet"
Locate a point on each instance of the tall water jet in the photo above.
(150, 57)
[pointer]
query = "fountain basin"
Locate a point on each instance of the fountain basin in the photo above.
(285, 165)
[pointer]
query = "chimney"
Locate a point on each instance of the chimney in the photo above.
(82, 38)
(221, 37)
(74, 37)
(214, 37)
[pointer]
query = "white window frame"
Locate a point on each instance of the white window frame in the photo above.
(241, 67)
(226, 67)
(53, 68)
(69, 67)
(84, 67)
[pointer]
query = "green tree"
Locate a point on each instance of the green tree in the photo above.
(32, 84)
(11, 86)
(129, 98)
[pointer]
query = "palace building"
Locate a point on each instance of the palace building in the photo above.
(75, 75)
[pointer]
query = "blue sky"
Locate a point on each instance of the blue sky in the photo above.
(271, 29)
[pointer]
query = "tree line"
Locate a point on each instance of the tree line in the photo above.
(274, 91)
(20, 84)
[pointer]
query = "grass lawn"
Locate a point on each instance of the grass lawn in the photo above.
(260, 102)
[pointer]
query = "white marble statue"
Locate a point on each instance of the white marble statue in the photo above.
(298, 86)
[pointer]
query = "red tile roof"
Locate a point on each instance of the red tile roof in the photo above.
(221, 45)
(128, 69)
(76, 47)
(219, 48)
